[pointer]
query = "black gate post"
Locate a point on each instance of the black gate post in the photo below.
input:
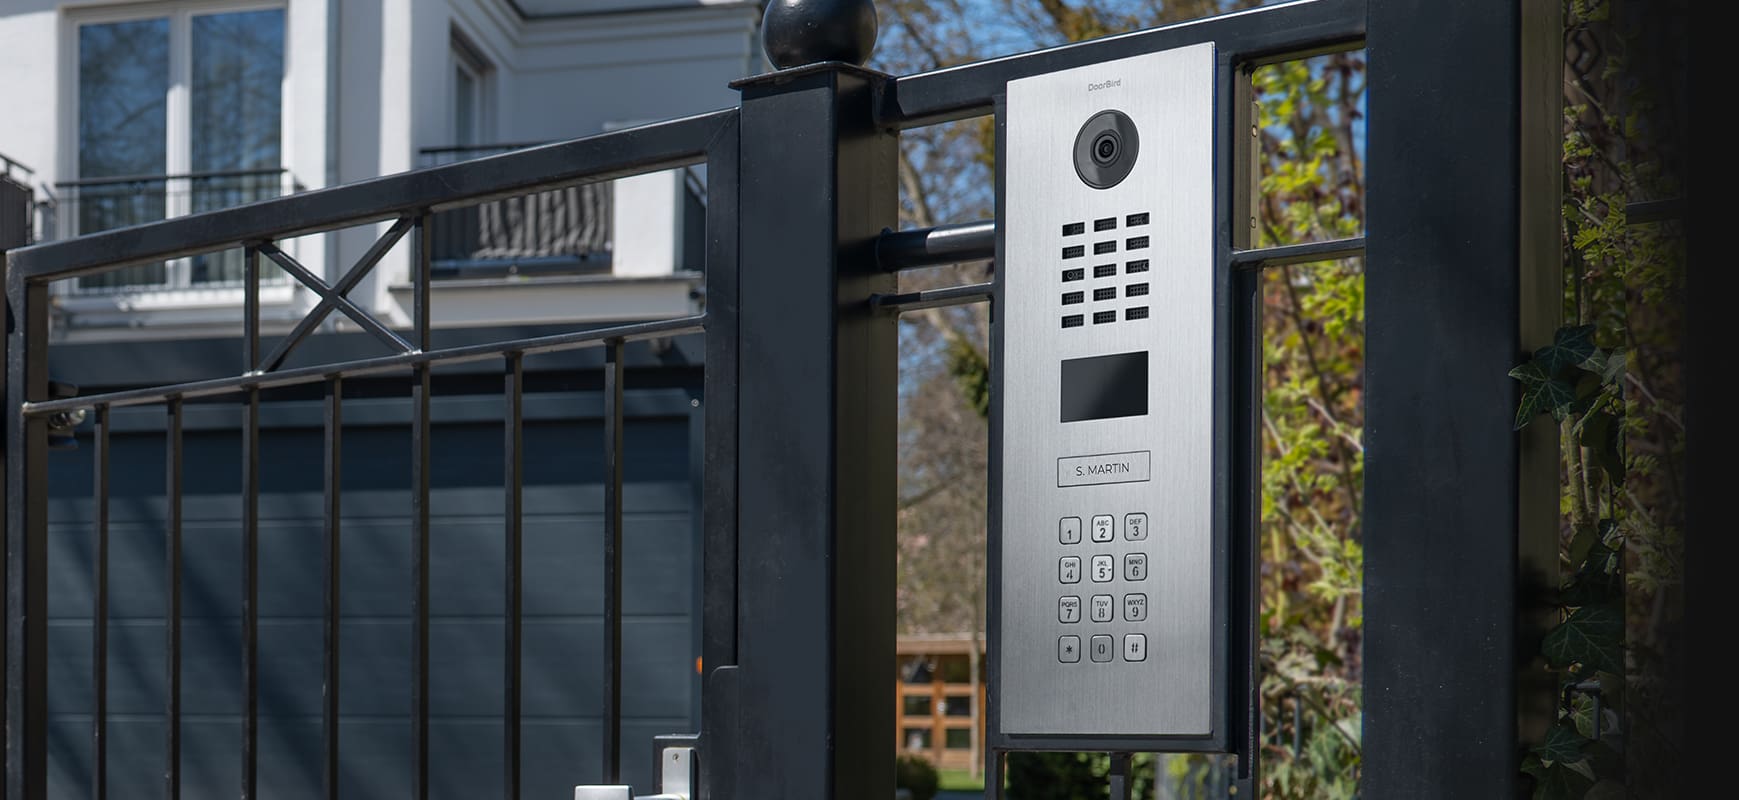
(1461, 512)
(815, 467)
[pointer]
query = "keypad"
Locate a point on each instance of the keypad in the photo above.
(1106, 552)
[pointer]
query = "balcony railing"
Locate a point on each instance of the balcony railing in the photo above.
(560, 231)
(98, 204)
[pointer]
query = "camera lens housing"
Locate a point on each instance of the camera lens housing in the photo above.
(1106, 149)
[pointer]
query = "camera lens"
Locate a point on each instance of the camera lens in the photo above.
(1105, 148)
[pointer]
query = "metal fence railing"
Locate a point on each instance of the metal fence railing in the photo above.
(93, 205)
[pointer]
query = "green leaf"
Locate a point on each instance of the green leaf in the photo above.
(1530, 374)
(1582, 715)
(1563, 744)
(1571, 346)
(1558, 397)
(1613, 370)
(1592, 636)
(1554, 396)
(1555, 781)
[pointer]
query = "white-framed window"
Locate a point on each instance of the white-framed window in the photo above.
(173, 109)
(472, 98)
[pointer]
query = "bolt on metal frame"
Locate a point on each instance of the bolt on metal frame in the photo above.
(800, 390)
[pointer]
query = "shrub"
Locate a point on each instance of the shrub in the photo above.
(916, 775)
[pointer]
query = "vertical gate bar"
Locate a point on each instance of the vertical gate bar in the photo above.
(612, 721)
(513, 458)
(250, 582)
(994, 757)
(172, 603)
(330, 575)
(818, 374)
(250, 524)
(1464, 225)
(26, 543)
(100, 606)
(250, 313)
(1241, 145)
(420, 523)
(718, 505)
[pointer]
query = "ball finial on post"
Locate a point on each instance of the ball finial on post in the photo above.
(799, 32)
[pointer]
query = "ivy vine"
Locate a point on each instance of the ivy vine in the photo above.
(1580, 385)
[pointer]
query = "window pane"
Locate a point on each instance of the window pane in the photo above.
(237, 113)
(123, 84)
(958, 739)
(464, 107)
(916, 705)
(917, 738)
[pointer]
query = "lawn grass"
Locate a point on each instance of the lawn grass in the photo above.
(959, 780)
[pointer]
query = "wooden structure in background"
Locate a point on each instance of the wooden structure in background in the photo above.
(939, 701)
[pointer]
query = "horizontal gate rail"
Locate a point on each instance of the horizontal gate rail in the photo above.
(1258, 35)
(649, 148)
(453, 355)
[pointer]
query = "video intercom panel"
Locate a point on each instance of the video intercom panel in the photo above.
(1103, 609)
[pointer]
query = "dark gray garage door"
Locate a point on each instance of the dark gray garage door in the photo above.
(562, 600)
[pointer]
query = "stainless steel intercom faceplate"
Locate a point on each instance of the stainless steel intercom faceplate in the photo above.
(1104, 610)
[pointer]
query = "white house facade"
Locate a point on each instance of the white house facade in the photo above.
(135, 111)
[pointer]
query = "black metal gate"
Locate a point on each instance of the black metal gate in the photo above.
(800, 400)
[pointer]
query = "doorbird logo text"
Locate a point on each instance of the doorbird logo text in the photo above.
(1110, 84)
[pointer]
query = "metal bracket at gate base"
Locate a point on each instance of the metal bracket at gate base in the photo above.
(678, 776)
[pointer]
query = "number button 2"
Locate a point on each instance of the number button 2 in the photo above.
(1104, 528)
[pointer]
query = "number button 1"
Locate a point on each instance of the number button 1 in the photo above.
(1069, 570)
(1104, 528)
(1135, 527)
(1069, 530)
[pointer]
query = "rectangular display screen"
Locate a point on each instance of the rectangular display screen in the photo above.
(1105, 387)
